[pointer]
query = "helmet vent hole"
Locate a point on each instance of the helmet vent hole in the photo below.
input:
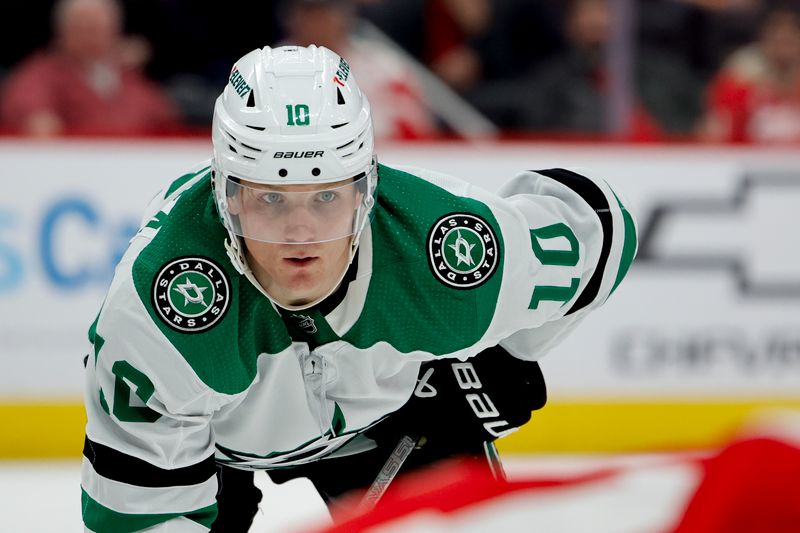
(340, 125)
(251, 100)
(339, 96)
(345, 145)
(232, 149)
(315, 171)
(251, 147)
(257, 128)
(283, 173)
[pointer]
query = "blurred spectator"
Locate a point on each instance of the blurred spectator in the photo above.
(756, 95)
(189, 64)
(400, 20)
(467, 42)
(88, 81)
(701, 32)
(398, 106)
(521, 34)
(570, 92)
(450, 26)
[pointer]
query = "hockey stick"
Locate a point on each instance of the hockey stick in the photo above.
(388, 472)
(399, 456)
(493, 458)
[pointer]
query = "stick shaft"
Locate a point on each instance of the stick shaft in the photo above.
(388, 472)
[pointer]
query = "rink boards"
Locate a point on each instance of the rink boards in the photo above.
(704, 332)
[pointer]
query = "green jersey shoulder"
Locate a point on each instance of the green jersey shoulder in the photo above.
(215, 319)
(436, 268)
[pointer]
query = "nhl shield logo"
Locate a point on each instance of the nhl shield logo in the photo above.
(462, 250)
(306, 323)
(191, 294)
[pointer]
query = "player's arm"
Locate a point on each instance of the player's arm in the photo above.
(577, 243)
(569, 241)
(148, 455)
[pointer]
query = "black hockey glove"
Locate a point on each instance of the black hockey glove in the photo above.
(477, 400)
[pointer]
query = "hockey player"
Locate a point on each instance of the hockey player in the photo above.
(295, 307)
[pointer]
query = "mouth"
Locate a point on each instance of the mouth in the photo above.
(300, 261)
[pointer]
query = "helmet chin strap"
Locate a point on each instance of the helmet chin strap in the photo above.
(239, 261)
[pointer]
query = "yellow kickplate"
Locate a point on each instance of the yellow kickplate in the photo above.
(55, 430)
(636, 425)
(42, 430)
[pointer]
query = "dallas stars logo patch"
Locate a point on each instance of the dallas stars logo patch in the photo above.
(191, 294)
(462, 250)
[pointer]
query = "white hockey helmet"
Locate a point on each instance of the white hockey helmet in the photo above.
(291, 116)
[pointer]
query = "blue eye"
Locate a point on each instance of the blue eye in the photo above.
(326, 196)
(272, 197)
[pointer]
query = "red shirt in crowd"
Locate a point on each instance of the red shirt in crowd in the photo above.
(106, 100)
(747, 104)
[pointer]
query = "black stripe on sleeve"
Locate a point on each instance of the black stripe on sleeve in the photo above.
(592, 195)
(118, 466)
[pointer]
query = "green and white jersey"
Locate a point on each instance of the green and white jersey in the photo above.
(193, 365)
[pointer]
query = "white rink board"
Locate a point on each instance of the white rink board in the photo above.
(712, 308)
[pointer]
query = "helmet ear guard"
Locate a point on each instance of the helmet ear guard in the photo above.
(229, 189)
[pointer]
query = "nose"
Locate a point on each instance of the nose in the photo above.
(299, 225)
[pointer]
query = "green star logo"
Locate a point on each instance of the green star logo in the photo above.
(189, 287)
(463, 250)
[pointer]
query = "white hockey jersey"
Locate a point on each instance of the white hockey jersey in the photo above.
(193, 365)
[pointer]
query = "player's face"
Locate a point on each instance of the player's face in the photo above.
(296, 271)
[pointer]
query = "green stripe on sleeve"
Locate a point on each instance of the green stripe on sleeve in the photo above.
(101, 519)
(628, 248)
